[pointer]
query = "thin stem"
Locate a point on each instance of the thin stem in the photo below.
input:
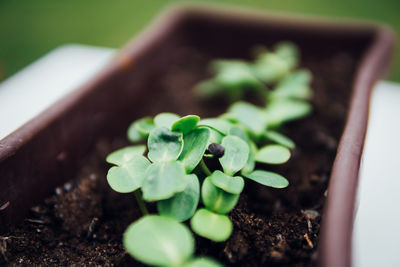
(142, 205)
(204, 168)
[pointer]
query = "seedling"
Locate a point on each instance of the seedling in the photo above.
(234, 78)
(175, 172)
(162, 241)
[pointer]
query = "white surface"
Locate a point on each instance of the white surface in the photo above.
(34, 88)
(376, 232)
(377, 225)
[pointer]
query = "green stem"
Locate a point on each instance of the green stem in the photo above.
(142, 205)
(204, 168)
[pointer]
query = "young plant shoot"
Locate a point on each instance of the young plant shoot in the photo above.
(188, 159)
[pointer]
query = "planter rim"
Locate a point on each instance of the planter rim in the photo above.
(336, 229)
(337, 225)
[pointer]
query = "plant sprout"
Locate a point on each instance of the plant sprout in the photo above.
(277, 67)
(162, 241)
(188, 159)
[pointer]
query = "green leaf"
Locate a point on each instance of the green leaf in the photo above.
(208, 88)
(236, 154)
(203, 262)
(211, 225)
(165, 119)
(182, 205)
(250, 116)
(270, 67)
(164, 145)
(230, 184)
(251, 161)
(229, 117)
(133, 133)
(218, 124)
(239, 132)
(288, 52)
(125, 154)
(268, 179)
(158, 240)
(295, 85)
(250, 164)
(195, 144)
(129, 176)
(215, 137)
(163, 180)
(279, 139)
(282, 110)
(216, 199)
(185, 124)
(273, 154)
(235, 75)
(144, 126)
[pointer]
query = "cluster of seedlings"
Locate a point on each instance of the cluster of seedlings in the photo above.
(188, 159)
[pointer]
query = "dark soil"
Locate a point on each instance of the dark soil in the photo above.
(83, 221)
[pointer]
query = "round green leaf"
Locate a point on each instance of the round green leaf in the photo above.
(229, 117)
(295, 85)
(251, 161)
(268, 179)
(273, 154)
(211, 225)
(219, 124)
(160, 241)
(125, 154)
(270, 67)
(182, 205)
(165, 119)
(195, 144)
(239, 132)
(235, 76)
(288, 52)
(129, 176)
(250, 164)
(236, 154)
(279, 139)
(164, 145)
(282, 110)
(230, 184)
(215, 136)
(216, 199)
(185, 124)
(144, 126)
(203, 262)
(250, 116)
(163, 180)
(208, 88)
(133, 133)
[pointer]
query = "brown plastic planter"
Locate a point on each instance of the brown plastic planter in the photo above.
(46, 151)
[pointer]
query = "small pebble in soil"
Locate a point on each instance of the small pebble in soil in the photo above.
(276, 255)
(68, 187)
(92, 227)
(93, 177)
(311, 214)
(5, 205)
(58, 191)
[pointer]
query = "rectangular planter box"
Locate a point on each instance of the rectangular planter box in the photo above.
(46, 151)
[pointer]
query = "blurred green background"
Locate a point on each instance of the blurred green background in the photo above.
(30, 28)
